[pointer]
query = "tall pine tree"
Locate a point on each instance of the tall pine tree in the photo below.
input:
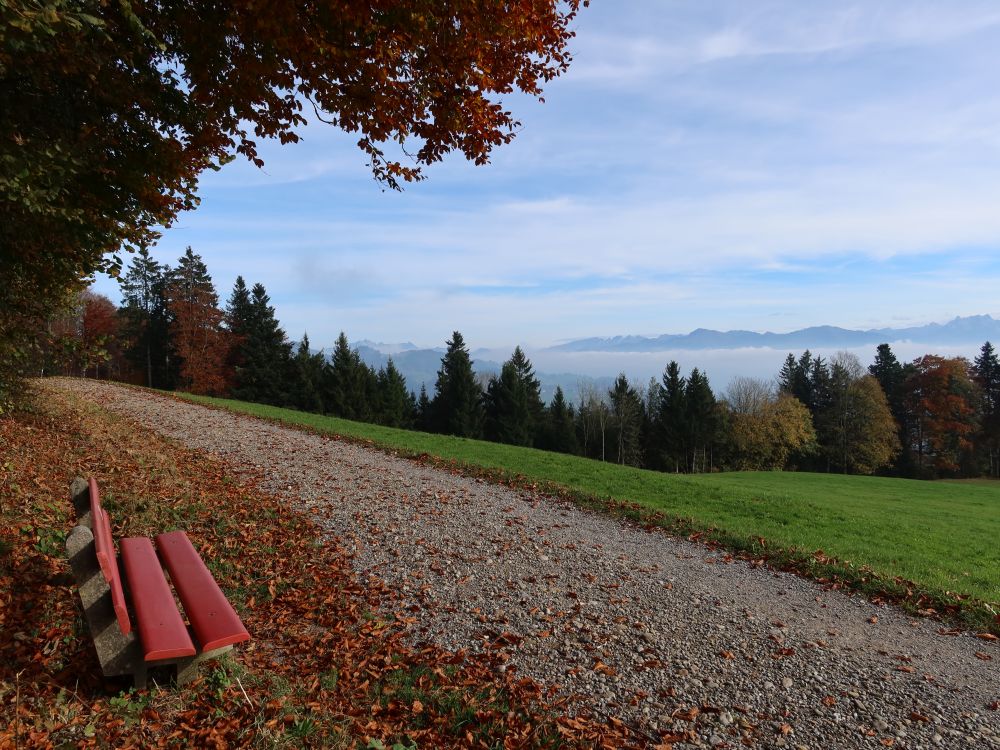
(671, 424)
(986, 373)
(349, 384)
(307, 380)
(559, 433)
(626, 421)
(700, 417)
(144, 310)
(264, 370)
(457, 405)
(513, 403)
(396, 405)
(891, 376)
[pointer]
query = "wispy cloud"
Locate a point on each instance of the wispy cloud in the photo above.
(724, 163)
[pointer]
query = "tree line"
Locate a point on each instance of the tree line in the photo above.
(932, 417)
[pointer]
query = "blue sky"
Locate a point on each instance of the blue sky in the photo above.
(764, 165)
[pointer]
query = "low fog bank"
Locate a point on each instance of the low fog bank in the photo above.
(721, 365)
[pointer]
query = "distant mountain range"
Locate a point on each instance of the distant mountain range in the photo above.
(969, 330)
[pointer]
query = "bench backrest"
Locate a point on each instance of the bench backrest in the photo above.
(104, 546)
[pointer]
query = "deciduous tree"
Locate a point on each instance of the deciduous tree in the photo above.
(199, 340)
(942, 399)
(765, 428)
(109, 112)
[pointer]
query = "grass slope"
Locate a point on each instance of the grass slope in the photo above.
(942, 536)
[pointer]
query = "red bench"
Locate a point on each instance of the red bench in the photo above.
(160, 636)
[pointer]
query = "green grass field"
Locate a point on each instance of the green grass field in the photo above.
(943, 536)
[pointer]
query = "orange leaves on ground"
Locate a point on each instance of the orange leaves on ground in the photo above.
(327, 659)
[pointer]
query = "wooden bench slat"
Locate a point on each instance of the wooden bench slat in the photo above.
(161, 629)
(213, 619)
(104, 547)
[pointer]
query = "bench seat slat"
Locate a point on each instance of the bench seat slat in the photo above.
(104, 547)
(213, 619)
(161, 629)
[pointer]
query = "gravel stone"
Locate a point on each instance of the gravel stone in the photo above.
(658, 631)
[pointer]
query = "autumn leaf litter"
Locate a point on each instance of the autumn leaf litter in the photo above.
(679, 641)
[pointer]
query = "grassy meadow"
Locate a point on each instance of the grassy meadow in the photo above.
(942, 536)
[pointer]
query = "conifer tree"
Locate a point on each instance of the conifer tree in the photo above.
(308, 378)
(457, 405)
(891, 376)
(265, 353)
(626, 421)
(144, 310)
(424, 411)
(671, 427)
(349, 384)
(701, 418)
(238, 309)
(395, 403)
(560, 431)
(986, 373)
(513, 403)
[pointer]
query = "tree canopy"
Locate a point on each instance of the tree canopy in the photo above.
(109, 112)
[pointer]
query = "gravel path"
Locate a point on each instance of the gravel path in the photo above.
(640, 625)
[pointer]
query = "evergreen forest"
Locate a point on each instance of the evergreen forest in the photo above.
(934, 417)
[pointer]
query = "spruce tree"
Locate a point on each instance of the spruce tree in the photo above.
(395, 402)
(144, 309)
(457, 405)
(700, 418)
(349, 384)
(787, 375)
(513, 403)
(238, 309)
(560, 430)
(265, 352)
(671, 426)
(626, 421)
(424, 411)
(891, 376)
(986, 373)
(307, 378)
